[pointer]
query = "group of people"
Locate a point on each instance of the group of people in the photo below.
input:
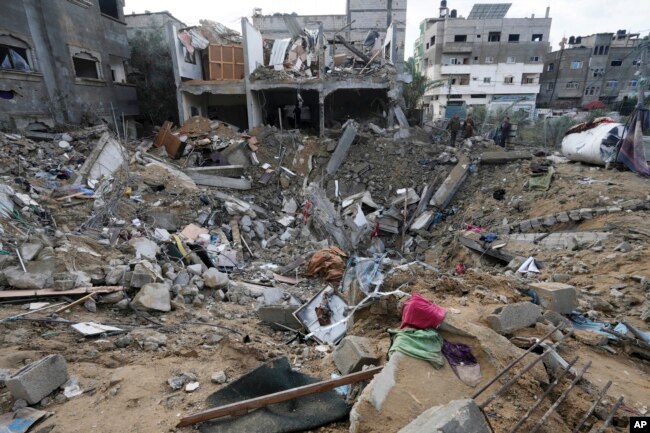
(467, 127)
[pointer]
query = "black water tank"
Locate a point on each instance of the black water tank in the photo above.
(572, 40)
(453, 13)
(443, 3)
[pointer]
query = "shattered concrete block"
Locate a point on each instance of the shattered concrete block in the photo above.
(144, 248)
(115, 275)
(557, 319)
(513, 317)
(280, 314)
(30, 250)
(614, 209)
(575, 215)
(536, 223)
(525, 226)
(562, 217)
(352, 353)
(632, 205)
(141, 276)
(19, 279)
(549, 221)
(458, 416)
(586, 214)
(37, 380)
(214, 279)
(600, 211)
(590, 338)
(154, 296)
(558, 297)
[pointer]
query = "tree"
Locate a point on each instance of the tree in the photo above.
(415, 90)
(153, 75)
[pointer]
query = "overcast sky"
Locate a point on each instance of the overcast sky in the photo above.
(570, 17)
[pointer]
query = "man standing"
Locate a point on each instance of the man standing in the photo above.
(453, 126)
(468, 128)
(506, 127)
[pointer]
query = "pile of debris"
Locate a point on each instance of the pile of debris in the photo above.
(282, 259)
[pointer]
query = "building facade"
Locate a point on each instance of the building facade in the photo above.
(600, 67)
(150, 22)
(482, 60)
(63, 61)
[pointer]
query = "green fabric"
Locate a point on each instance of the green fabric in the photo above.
(541, 183)
(424, 344)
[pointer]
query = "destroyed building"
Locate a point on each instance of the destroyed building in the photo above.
(53, 71)
(484, 59)
(298, 71)
(586, 69)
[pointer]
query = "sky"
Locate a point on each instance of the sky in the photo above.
(570, 17)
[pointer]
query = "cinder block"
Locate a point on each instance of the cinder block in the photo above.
(458, 416)
(353, 353)
(558, 297)
(37, 380)
(513, 317)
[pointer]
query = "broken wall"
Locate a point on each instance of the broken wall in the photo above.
(51, 90)
(188, 68)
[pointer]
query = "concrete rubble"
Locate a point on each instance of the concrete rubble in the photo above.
(239, 247)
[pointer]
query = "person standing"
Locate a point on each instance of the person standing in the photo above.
(506, 127)
(468, 128)
(453, 127)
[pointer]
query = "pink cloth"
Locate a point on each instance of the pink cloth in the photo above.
(419, 313)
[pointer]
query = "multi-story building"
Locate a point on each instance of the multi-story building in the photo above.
(62, 61)
(150, 22)
(600, 67)
(484, 59)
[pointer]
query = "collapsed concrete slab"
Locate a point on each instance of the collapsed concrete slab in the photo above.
(279, 317)
(501, 157)
(558, 297)
(458, 416)
(342, 149)
(510, 318)
(445, 194)
(352, 353)
(37, 380)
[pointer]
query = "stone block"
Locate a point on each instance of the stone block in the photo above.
(144, 248)
(280, 314)
(632, 205)
(600, 211)
(575, 215)
(214, 279)
(614, 209)
(154, 296)
(19, 279)
(352, 353)
(141, 276)
(557, 319)
(525, 226)
(536, 223)
(562, 217)
(513, 317)
(458, 416)
(37, 380)
(586, 214)
(549, 221)
(558, 297)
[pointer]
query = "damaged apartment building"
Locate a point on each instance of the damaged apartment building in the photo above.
(485, 59)
(62, 62)
(602, 67)
(294, 71)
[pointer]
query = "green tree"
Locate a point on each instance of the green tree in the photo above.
(153, 75)
(415, 90)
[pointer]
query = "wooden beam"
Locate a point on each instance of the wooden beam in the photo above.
(236, 240)
(73, 303)
(27, 293)
(218, 170)
(341, 40)
(242, 407)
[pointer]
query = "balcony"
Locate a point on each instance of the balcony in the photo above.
(457, 47)
(456, 69)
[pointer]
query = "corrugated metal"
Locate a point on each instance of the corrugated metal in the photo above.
(292, 25)
(279, 51)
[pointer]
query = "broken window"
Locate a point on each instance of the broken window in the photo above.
(549, 87)
(110, 8)
(427, 45)
(513, 37)
(460, 38)
(606, 49)
(601, 50)
(464, 81)
(527, 80)
(454, 61)
(596, 50)
(117, 69)
(572, 85)
(537, 37)
(489, 60)
(14, 58)
(592, 90)
(508, 79)
(85, 66)
(478, 96)
(577, 64)
(494, 36)
(534, 59)
(611, 84)
(598, 72)
(511, 60)
(617, 62)
(487, 80)
(636, 62)
(432, 40)
(455, 96)
(632, 83)
(550, 67)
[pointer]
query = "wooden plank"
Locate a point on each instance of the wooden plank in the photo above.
(499, 254)
(293, 265)
(236, 240)
(8, 294)
(77, 302)
(219, 181)
(242, 407)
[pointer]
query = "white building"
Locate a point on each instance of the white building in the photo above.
(484, 59)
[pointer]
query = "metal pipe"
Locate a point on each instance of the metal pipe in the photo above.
(593, 407)
(611, 415)
(505, 370)
(22, 264)
(562, 397)
(521, 373)
(543, 397)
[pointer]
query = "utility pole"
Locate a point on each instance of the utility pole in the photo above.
(557, 71)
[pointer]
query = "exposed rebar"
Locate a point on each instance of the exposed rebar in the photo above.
(611, 415)
(593, 407)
